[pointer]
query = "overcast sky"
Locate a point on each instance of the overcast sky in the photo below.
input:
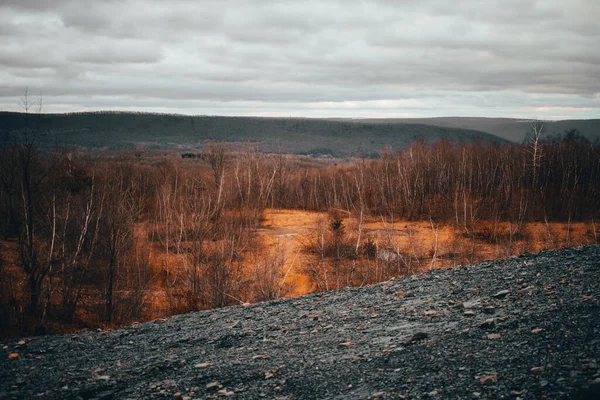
(324, 58)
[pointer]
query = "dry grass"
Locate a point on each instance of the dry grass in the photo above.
(431, 245)
(287, 231)
(422, 244)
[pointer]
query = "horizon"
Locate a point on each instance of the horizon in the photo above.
(316, 59)
(109, 111)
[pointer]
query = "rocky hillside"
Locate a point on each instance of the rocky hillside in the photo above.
(524, 328)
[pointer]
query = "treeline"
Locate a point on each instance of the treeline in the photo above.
(465, 183)
(85, 242)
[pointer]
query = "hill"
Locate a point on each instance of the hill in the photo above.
(510, 129)
(116, 130)
(526, 327)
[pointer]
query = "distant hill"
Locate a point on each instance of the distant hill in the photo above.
(338, 138)
(507, 128)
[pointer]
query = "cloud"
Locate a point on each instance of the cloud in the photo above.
(311, 58)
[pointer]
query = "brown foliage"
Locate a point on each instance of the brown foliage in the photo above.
(96, 240)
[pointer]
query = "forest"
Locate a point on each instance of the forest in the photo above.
(101, 239)
(152, 131)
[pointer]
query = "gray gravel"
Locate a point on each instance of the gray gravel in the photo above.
(527, 327)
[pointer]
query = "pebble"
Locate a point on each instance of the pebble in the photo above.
(417, 337)
(471, 304)
(592, 366)
(502, 294)
(489, 379)
(488, 323)
(203, 365)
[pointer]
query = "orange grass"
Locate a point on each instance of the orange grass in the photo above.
(288, 231)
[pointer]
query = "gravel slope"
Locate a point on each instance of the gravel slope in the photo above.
(527, 327)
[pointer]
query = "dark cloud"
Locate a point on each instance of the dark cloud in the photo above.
(322, 58)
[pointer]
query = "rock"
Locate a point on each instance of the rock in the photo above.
(489, 380)
(212, 385)
(471, 304)
(537, 370)
(204, 365)
(493, 336)
(590, 365)
(417, 337)
(237, 324)
(488, 323)
(501, 294)
(536, 330)
(489, 310)
(177, 396)
(12, 356)
(469, 313)
(225, 392)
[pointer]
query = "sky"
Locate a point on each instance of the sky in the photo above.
(324, 58)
